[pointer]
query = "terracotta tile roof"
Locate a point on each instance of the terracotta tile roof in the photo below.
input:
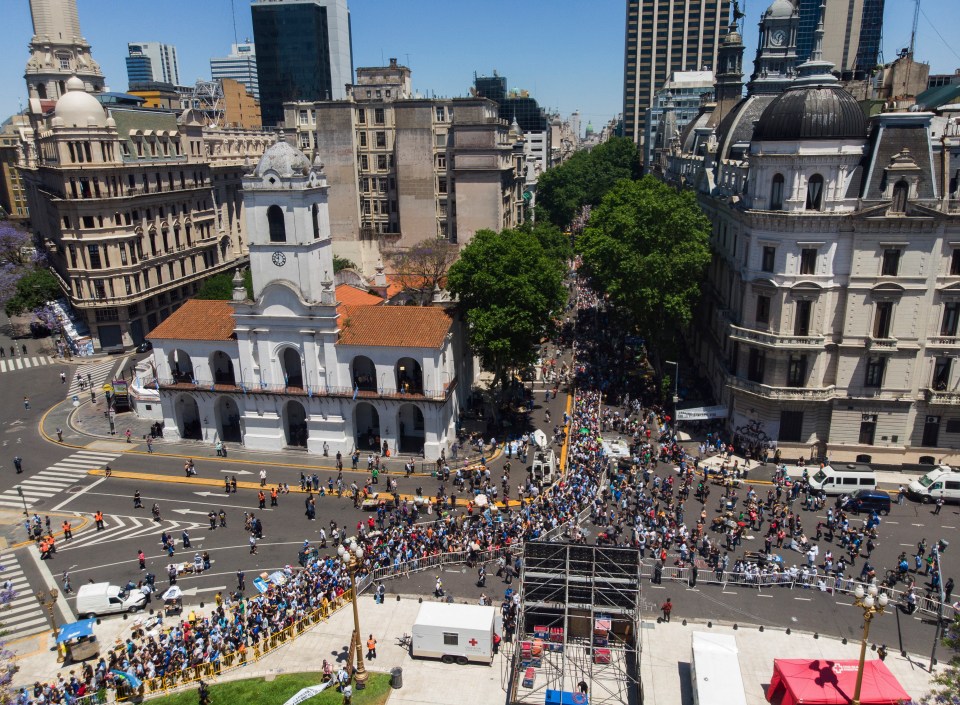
(395, 285)
(197, 320)
(352, 296)
(394, 326)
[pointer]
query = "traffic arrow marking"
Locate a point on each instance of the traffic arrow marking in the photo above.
(211, 494)
(190, 511)
(237, 472)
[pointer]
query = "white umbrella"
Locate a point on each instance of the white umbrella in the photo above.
(480, 500)
(540, 438)
(173, 593)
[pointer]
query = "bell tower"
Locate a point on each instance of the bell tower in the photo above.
(774, 67)
(288, 224)
(729, 84)
(58, 51)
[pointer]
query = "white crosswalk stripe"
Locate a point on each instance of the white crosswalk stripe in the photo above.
(22, 363)
(95, 374)
(121, 528)
(23, 615)
(55, 478)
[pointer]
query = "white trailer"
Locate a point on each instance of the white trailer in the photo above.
(454, 633)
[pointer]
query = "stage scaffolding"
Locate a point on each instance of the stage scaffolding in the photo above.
(583, 604)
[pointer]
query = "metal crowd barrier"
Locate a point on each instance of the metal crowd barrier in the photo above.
(228, 662)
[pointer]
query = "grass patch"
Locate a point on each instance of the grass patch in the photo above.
(257, 691)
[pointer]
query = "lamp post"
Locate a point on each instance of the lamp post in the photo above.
(676, 386)
(49, 600)
(352, 557)
(938, 548)
(872, 605)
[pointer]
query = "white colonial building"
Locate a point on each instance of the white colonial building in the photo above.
(295, 368)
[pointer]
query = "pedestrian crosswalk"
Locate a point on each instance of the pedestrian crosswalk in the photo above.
(91, 375)
(54, 478)
(120, 528)
(24, 363)
(22, 615)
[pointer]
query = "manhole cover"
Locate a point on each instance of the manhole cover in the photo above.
(73, 490)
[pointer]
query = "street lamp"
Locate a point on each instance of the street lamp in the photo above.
(352, 557)
(676, 386)
(872, 605)
(938, 548)
(49, 600)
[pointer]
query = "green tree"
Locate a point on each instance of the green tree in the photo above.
(33, 290)
(646, 247)
(341, 263)
(584, 179)
(551, 238)
(509, 289)
(219, 287)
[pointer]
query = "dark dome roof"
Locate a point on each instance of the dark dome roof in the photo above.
(812, 112)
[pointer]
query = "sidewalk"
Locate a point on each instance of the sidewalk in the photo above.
(664, 662)
(86, 423)
(890, 479)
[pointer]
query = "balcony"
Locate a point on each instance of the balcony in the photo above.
(943, 341)
(882, 344)
(772, 340)
(942, 397)
(767, 391)
(185, 383)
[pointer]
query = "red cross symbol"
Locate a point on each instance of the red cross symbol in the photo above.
(472, 642)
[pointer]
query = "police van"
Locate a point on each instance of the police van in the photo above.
(844, 479)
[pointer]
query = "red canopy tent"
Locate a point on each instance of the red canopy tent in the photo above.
(832, 682)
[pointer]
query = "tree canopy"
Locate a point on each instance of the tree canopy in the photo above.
(341, 263)
(423, 267)
(32, 291)
(509, 288)
(646, 247)
(14, 260)
(584, 179)
(219, 287)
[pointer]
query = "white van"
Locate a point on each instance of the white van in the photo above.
(942, 482)
(95, 599)
(844, 479)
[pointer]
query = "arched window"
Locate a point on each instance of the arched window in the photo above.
(815, 193)
(776, 193)
(900, 190)
(315, 212)
(278, 231)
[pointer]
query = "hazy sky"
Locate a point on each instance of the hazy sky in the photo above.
(568, 54)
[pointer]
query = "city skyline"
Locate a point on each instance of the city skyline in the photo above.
(442, 57)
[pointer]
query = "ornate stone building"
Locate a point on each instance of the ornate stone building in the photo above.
(830, 318)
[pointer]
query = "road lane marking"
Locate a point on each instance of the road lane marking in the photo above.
(74, 496)
(804, 599)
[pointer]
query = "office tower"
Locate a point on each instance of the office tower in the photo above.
(58, 51)
(852, 30)
(664, 36)
(240, 65)
(152, 62)
(304, 52)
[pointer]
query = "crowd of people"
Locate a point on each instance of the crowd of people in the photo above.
(666, 516)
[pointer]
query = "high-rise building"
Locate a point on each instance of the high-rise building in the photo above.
(304, 52)
(240, 65)
(404, 168)
(663, 36)
(152, 61)
(852, 32)
(57, 52)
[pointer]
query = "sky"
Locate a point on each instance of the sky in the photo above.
(568, 54)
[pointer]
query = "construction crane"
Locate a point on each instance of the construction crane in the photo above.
(913, 30)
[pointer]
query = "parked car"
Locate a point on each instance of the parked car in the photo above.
(145, 346)
(868, 501)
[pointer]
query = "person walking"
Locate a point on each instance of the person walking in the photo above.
(98, 518)
(263, 477)
(939, 505)
(59, 435)
(142, 558)
(241, 582)
(63, 378)
(666, 608)
(253, 544)
(371, 648)
(26, 403)
(18, 464)
(67, 530)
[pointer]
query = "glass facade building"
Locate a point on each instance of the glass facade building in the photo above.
(304, 52)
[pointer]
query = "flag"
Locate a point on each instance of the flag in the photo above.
(356, 391)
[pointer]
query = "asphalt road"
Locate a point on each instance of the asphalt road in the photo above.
(111, 554)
